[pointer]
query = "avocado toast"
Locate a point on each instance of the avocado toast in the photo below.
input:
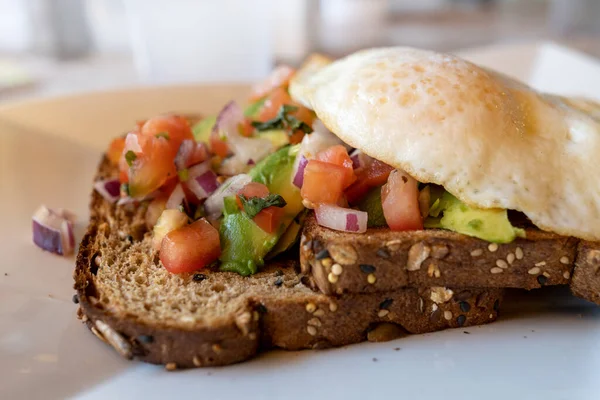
(212, 318)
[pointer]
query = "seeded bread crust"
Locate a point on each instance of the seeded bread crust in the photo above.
(129, 301)
(586, 276)
(381, 260)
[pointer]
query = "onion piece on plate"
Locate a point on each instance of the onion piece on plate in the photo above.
(110, 189)
(341, 219)
(202, 181)
(53, 230)
(214, 204)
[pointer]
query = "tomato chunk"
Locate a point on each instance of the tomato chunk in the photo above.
(376, 174)
(273, 103)
(269, 219)
(339, 156)
(279, 77)
(176, 128)
(252, 189)
(151, 167)
(115, 150)
(190, 247)
(399, 199)
(218, 145)
(323, 182)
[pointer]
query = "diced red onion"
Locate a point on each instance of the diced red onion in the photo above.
(228, 120)
(183, 154)
(359, 159)
(202, 181)
(299, 175)
(131, 143)
(53, 230)
(177, 198)
(214, 204)
(110, 189)
(341, 219)
(251, 162)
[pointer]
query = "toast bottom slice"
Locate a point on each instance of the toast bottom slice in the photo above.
(214, 318)
(431, 257)
(585, 282)
(131, 302)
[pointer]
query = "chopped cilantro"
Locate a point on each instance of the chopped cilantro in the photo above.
(254, 205)
(125, 188)
(183, 174)
(130, 157)
(283, 120)
(163, 135)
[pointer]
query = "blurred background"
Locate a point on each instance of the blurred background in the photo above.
(52, 47)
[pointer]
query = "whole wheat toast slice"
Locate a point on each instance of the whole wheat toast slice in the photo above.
(381, 260)
(214, 318)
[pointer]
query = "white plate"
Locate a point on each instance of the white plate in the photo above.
(546, 344)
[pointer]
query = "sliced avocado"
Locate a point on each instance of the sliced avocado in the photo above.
(491, 225)
(203, 128)
(371, 203)
(254, 108)
(289, 237)
(277, 137)
(275, 171)
(244, 244)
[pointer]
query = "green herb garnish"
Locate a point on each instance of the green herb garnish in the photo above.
(254, 205)
(283, 120)
(163, 135)
(125, 188)
(130, 157)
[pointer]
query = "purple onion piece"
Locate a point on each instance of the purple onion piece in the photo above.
(110, 189)
(52, 231)
(183, 153)
(352, 222)
(47, 238)
(299, 176)
(208, 182)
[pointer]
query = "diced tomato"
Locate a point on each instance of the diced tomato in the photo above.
(323, 182)
(218, 145)
(376, 174)
(273, 103)
(296, 137)
(152, 167)
(154, 210)
(252, 189)
(339, 156)
(279, 77)
(190, 247)
(246, 128)
(198, 155)
(399, 199)
(304, 114)
(176, 127)
(269, 219)
(115, 150)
